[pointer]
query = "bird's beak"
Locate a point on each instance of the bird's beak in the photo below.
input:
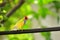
(30, 16)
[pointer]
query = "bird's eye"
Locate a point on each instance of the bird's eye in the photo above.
(26, 17)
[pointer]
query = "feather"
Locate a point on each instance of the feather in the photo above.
(19, 25)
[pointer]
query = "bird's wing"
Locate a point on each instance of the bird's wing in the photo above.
(18, 25)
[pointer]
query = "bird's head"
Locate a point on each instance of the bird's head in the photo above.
(28, 17)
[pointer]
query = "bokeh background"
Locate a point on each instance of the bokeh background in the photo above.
(44, 13)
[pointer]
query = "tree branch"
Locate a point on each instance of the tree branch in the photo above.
(30, 31)
(14, 9)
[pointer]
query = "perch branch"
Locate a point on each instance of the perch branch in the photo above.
(30, 31)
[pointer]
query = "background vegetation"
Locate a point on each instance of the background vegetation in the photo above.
(24, 10)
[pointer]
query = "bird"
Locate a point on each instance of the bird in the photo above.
(19, 25)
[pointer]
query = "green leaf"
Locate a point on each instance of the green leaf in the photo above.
(36, 15)
(47, 35)
(56, 5)
(15, 1)
(1, 17)
(7, 25)
(29, 1)
(2, 28)
(14, 38)
(43, 12)
(43, 2)
(1, 1)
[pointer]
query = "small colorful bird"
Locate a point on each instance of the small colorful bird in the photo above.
(19, 25)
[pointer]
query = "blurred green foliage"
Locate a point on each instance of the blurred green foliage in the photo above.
(24, 11)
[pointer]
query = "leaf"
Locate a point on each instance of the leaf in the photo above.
(56, 4)
(7, 7)
(26, 9)
(2, 28)
(14, 38)
(7, 25)
(47, 35)
(1, 17)
(43, 2)
(29, 1)
(43, 12)
(15, 1)
(36, 15)
(1, 1)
